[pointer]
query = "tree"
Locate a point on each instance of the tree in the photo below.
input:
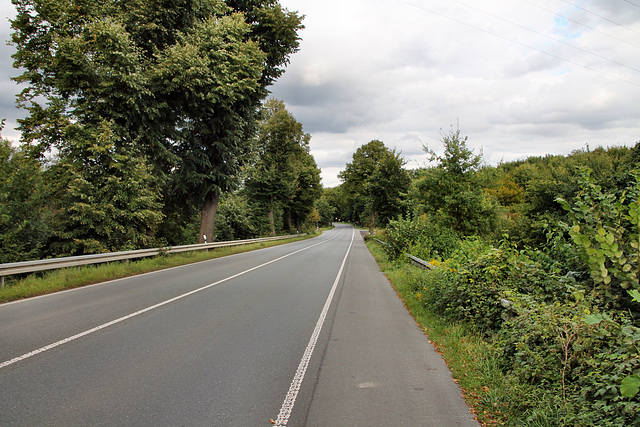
(180, 80)
(451, 192)
(235, 218)
(282, 148)
(103, 198)
(307, 191)
(211, 81)
(374, 183)
(325, 210)
(23, 225)
(387, 188)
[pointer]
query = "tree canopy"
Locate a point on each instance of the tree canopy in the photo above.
(374, 184)
(285, 175)
(172, 86)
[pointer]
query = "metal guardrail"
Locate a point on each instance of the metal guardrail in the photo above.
(415, 260)
(11, 268)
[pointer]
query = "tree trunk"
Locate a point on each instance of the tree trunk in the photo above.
(373, 220)
(270, 218)
(289, 221)
(208, 216)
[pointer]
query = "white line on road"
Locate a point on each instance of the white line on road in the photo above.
(153, 307)
(290, 399)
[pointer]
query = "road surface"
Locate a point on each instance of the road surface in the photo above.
(304, 334)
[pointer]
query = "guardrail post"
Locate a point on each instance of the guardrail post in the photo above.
(1, 282)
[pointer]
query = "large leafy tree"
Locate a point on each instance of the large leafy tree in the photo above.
(211, 83)
(307, 190)
(106, 199)
(355, 178)
(375, 183)
(179, 81)
(284, 171)
(387, 188)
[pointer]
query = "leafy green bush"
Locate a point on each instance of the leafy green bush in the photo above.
(479, 290)
(421, 238)
(605, 229)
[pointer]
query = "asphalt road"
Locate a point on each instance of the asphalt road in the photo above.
(304, 334)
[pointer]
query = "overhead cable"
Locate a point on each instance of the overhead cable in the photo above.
(636, 5)
(600, 16)
(546, 35)
(517, 42)
(580, 23)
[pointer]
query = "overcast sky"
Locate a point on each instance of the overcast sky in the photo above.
(521, 77)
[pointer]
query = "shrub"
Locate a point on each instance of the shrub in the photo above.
(478, 291)
(421, 238)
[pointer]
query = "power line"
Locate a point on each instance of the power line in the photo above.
(516, 42)
(580, 23)
(600, 16)
(545, 35)
(636, 5)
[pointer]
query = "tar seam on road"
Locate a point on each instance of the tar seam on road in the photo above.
(145, 310)
(290, 399)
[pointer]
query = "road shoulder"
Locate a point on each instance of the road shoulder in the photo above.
(378, 367)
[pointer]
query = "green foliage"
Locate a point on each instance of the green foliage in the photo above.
(560, 317)
(178, 82)
(451, 193)
(421, 238)
(325, 210)
(307, 191)
(234, 221)
(284, 175)
(478, 289)
(374, 185)
(103, 200)
(605, 227)
(387, 187)
(24, 228)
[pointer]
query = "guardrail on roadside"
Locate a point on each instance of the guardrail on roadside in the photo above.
(11, 268)
(414, 260)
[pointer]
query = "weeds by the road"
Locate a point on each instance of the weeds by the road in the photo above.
(73, 277)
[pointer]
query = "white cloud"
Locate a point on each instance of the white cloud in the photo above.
(400, 71)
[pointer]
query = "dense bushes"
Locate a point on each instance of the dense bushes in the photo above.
(557, 347)
(421, 238)
(557, 299)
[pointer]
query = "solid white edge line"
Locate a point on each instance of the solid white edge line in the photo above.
(144, 310)
(296, 383)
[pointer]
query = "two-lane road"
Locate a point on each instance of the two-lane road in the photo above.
(308, 333)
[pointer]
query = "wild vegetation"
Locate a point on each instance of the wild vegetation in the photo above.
(537, 265)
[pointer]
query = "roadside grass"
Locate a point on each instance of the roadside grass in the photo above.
(469, 357)
(73, 277)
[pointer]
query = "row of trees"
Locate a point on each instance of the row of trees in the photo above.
(51, 209)
(141, 116)
(462, 195)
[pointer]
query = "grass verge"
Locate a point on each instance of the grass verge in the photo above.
(467, 355)
(68, 278)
